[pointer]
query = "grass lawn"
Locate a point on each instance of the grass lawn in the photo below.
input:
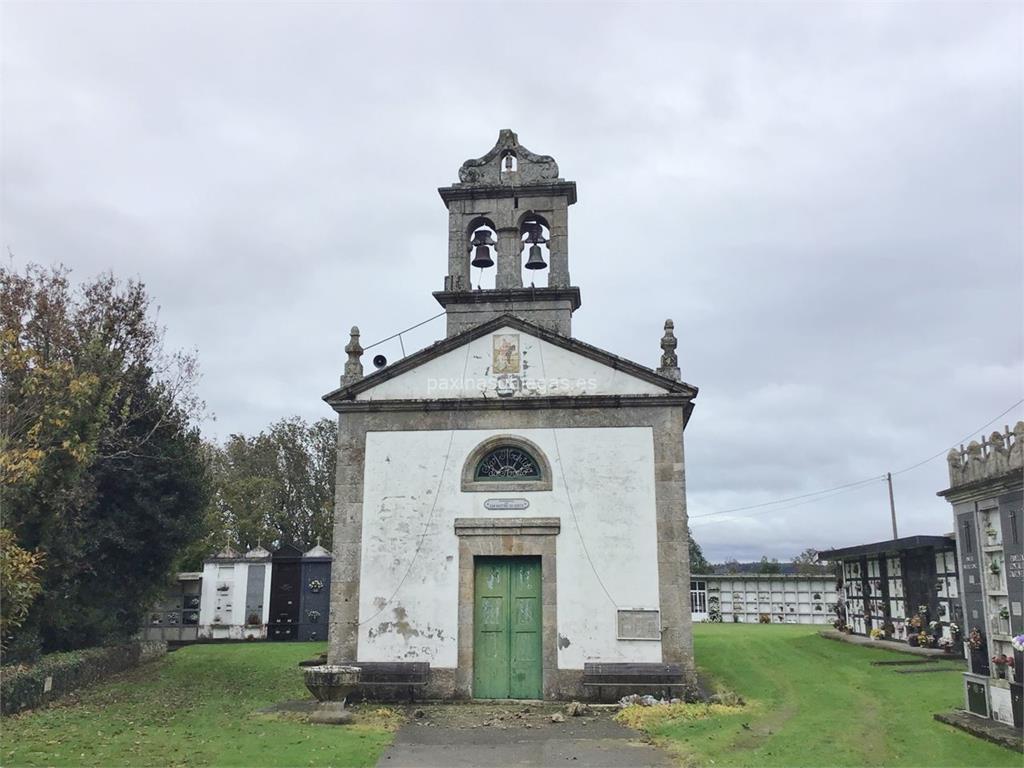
(811, 702)
(196, 707)
(817, 702)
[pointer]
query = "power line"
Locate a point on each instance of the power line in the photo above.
(430, 517)
(857, 483)
(568, 495)
(406, 330)
(791, 506)
(961, 440)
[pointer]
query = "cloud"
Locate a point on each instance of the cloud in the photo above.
(826, 198)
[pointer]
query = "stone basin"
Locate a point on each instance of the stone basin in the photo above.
(331, 682)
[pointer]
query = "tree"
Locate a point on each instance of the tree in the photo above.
(19, 582)
(102, 464)
(769, 566)
(732, 565)
(276, 487)
(698, 564)
(807, 563)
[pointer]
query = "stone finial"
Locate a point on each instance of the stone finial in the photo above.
(353, 366)
(669, 367)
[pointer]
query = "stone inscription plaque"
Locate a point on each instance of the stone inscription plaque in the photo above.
(639, 625)
(506, 504)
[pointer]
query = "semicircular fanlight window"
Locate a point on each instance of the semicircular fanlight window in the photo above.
(508, 463)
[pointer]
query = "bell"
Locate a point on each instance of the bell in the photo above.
(536, 261)
(482, 257)
(482, 254)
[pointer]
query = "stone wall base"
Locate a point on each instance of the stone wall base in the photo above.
(443, 685)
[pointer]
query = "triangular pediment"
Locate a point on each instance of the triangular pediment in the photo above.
(509, 358)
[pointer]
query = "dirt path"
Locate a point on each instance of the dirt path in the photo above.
(510, 735)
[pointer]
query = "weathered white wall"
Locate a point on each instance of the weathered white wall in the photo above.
(608, 474)
(546, 369)
(232, 625)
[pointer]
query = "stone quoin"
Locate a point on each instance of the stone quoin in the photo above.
(510, 501)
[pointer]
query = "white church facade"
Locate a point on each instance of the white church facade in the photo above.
(510, 502)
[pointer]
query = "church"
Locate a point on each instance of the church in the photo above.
(511, 502)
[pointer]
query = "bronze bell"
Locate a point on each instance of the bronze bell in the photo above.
(536, 261)
(482, 257)
(482, 254)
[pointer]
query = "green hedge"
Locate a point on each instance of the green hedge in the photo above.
(26, 687)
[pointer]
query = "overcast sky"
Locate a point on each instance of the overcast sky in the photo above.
(827, 199)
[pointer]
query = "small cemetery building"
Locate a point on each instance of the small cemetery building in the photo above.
(772, 598)
(315, 603)
(510, 507)
(175, 616)
(902, 588)
(986, 490)
(235, 595)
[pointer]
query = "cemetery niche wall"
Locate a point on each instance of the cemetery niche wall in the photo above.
(235, 595)
(986, 489)
(315, 601)
(754, 598)
(174, 618)
(901, 589)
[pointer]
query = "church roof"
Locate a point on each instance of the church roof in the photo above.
(671, 386)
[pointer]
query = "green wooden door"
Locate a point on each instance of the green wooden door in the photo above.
(507, 628)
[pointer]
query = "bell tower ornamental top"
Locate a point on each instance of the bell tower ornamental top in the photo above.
(509, 163)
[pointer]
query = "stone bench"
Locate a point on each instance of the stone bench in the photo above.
(621, 679)
(390, 680)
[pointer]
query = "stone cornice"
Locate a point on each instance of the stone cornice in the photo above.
(984, 488)
(511, 296)
(567, 402)
(507, 526)
(492, 191)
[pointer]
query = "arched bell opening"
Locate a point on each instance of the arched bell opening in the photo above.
(482, 242)
(509, 162)
(535, 235)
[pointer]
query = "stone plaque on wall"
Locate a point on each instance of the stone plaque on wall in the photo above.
(639, 625)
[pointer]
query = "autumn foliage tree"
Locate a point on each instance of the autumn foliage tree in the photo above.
(103, 468)
(19, 582)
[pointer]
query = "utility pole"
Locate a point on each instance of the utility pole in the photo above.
(892, 505)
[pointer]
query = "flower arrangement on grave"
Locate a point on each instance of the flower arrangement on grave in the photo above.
(313, 616)
(946, 644)
(994, 568)
(924, 640)
(1004, 612)
(1018, 643)
(316, 585)
(764, 618)
(1001, 662)
(990, 532)
(954, 630)
(877, 633)
(253, 618)
(974, 640)
(916, 621)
